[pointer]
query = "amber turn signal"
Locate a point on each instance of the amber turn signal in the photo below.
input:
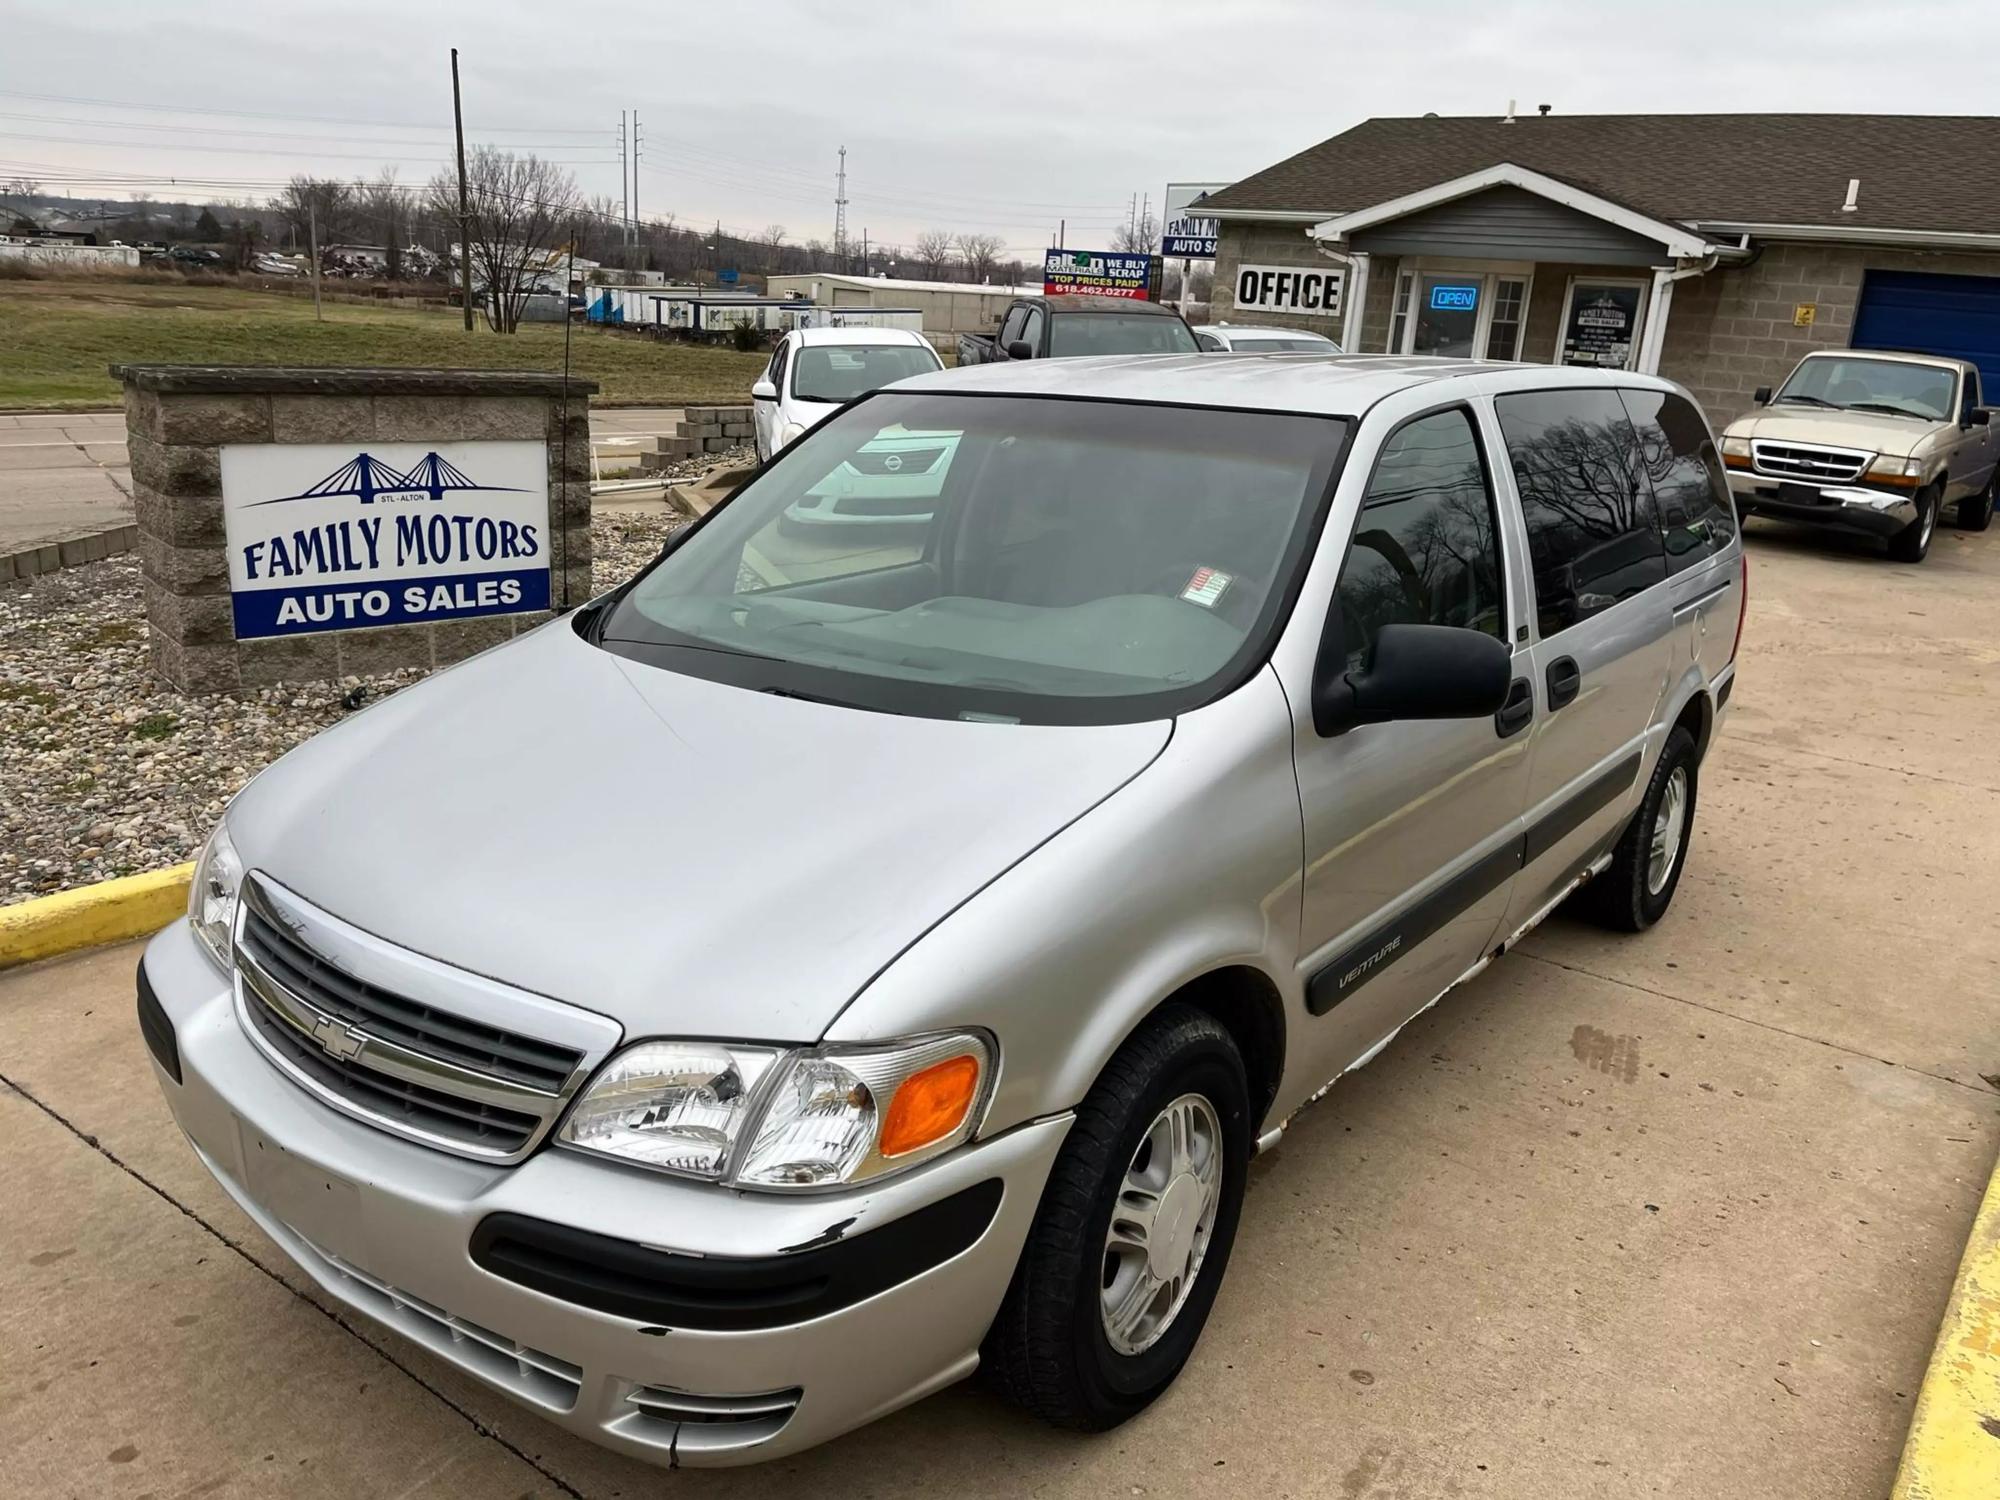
(930, 1105)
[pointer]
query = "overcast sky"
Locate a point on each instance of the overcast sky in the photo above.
(987, 117)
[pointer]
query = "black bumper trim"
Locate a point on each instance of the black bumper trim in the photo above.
(730, 1294)
(156, 1028)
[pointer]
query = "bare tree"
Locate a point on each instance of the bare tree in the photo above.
(384, 208)
(522, 209)
(1140, 237)
(20, 187)
(774, 236)
(328, 199)
(932, 251)
(981, 253)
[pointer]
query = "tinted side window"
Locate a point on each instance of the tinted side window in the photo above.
(1011, 329)
(1032, 329)
(1593, 531)
(1208, 341)
(1426, 550)
(778, 366)
(1971, 398)
(1696, 513)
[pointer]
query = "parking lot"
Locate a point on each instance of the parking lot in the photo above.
(1667, 1215)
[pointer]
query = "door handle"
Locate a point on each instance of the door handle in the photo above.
(1518, 711)
(1564, 678)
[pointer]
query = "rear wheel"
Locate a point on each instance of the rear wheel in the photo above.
(1134, 1230)
(1913, 543)
(1646, 863)
(1975, 512)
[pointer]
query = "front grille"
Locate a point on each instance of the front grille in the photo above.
(408, 1044)
(485, 1049)
(506, 1362)
(486, 1128)
(1809, 462)
(908, 461)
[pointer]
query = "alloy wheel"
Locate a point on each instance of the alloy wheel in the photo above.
(1161, 1224)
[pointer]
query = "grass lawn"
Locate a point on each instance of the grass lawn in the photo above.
(58, 337)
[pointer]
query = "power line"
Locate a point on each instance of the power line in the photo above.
(258, 114)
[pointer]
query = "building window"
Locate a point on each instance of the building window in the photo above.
(1510, 306)
(1400, 318)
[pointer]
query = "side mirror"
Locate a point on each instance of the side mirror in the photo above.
(763, 390)
(1417, 672)
(1762, 396)
(1020, 349)
(1979, 416)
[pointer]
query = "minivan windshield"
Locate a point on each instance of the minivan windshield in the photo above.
(997, 557)
(1894, 387)
(1079, 333)
(840, 372)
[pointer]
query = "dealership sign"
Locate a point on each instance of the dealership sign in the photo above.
(331, 537)
(1187, 233)
(1096, 273)
(1313, 291)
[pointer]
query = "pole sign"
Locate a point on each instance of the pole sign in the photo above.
(1602, 325)
(327, 537)
(1096, 273)
(1185, 232)
(1313, 291)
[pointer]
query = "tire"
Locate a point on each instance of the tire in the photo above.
(1049, 1349)
(1624, 898)
(1975, 512)
(1913, 543)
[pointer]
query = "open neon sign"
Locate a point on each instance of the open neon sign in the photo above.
(1454, 298)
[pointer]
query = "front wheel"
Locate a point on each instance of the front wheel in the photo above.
(1134, 1230)
(1913, 543)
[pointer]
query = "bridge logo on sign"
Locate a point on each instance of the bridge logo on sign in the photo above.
(330, 538)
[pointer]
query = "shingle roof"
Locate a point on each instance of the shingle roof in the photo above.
(1937, 172)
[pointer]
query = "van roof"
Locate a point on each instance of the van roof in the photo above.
(1323, 384)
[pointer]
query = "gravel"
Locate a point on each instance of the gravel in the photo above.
(106, 771)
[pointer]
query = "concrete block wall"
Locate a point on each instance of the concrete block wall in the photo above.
(177, 420)
(1269, 245)
(1732, 331)
(701, 429)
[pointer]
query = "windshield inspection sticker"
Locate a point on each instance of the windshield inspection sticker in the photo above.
(1207, 587)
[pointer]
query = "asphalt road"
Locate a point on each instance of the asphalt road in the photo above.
(65, 474)
(1669, 1215)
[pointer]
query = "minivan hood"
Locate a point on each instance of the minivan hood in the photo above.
(686, 857)
(1840, 429)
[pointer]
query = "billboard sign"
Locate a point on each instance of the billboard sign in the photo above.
(1186, 233)
(1313, 291)
(1096, 273)
(325, 536)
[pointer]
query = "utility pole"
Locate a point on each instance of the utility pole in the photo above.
(464, 211)
(840, 211)
(312, 239)
(864, 249)
(635, 190)
(1062, 231)
(624, 198)
(1132, 218)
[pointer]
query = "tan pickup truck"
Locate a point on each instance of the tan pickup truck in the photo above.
(1869, 442)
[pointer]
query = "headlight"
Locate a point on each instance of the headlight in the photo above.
(1735, 447)
(759, 1118)
(1895, 467)
(218, 876)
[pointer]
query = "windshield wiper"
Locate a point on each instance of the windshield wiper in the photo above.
(1809, 401)
(1894, 411)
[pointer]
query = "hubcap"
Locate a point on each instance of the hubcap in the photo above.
(1161, 1224)
(1927, 518)
(1669, 826)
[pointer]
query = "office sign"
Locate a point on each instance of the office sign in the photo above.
(1602, 325)
(1185, 232)
(1096, 273)
(1311, 291)
(334, 537)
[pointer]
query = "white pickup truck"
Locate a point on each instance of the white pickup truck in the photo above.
(1869, 442)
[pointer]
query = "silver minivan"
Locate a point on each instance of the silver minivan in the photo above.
(837, 960)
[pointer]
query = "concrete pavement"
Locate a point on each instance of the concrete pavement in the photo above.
(1667, 1215)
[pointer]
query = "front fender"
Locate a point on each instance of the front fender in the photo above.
(1191, 867)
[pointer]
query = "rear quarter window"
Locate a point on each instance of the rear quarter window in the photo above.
(1697, 516)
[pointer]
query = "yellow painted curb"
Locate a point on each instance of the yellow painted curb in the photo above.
(1953, 1450)
(108, 912)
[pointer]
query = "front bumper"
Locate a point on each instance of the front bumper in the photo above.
(1843, 507)
(385, 1226)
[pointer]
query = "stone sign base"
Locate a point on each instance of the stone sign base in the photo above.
(179, 417)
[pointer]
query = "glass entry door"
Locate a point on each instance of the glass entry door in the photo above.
(1448, 309)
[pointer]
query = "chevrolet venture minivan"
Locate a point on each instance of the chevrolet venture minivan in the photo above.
(812, 971)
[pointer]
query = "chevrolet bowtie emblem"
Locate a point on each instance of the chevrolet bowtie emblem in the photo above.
(340, 1040)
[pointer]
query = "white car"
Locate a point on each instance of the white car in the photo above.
(1247, 339)
(815, 371)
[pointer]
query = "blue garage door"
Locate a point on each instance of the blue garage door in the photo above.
(1932, 314)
